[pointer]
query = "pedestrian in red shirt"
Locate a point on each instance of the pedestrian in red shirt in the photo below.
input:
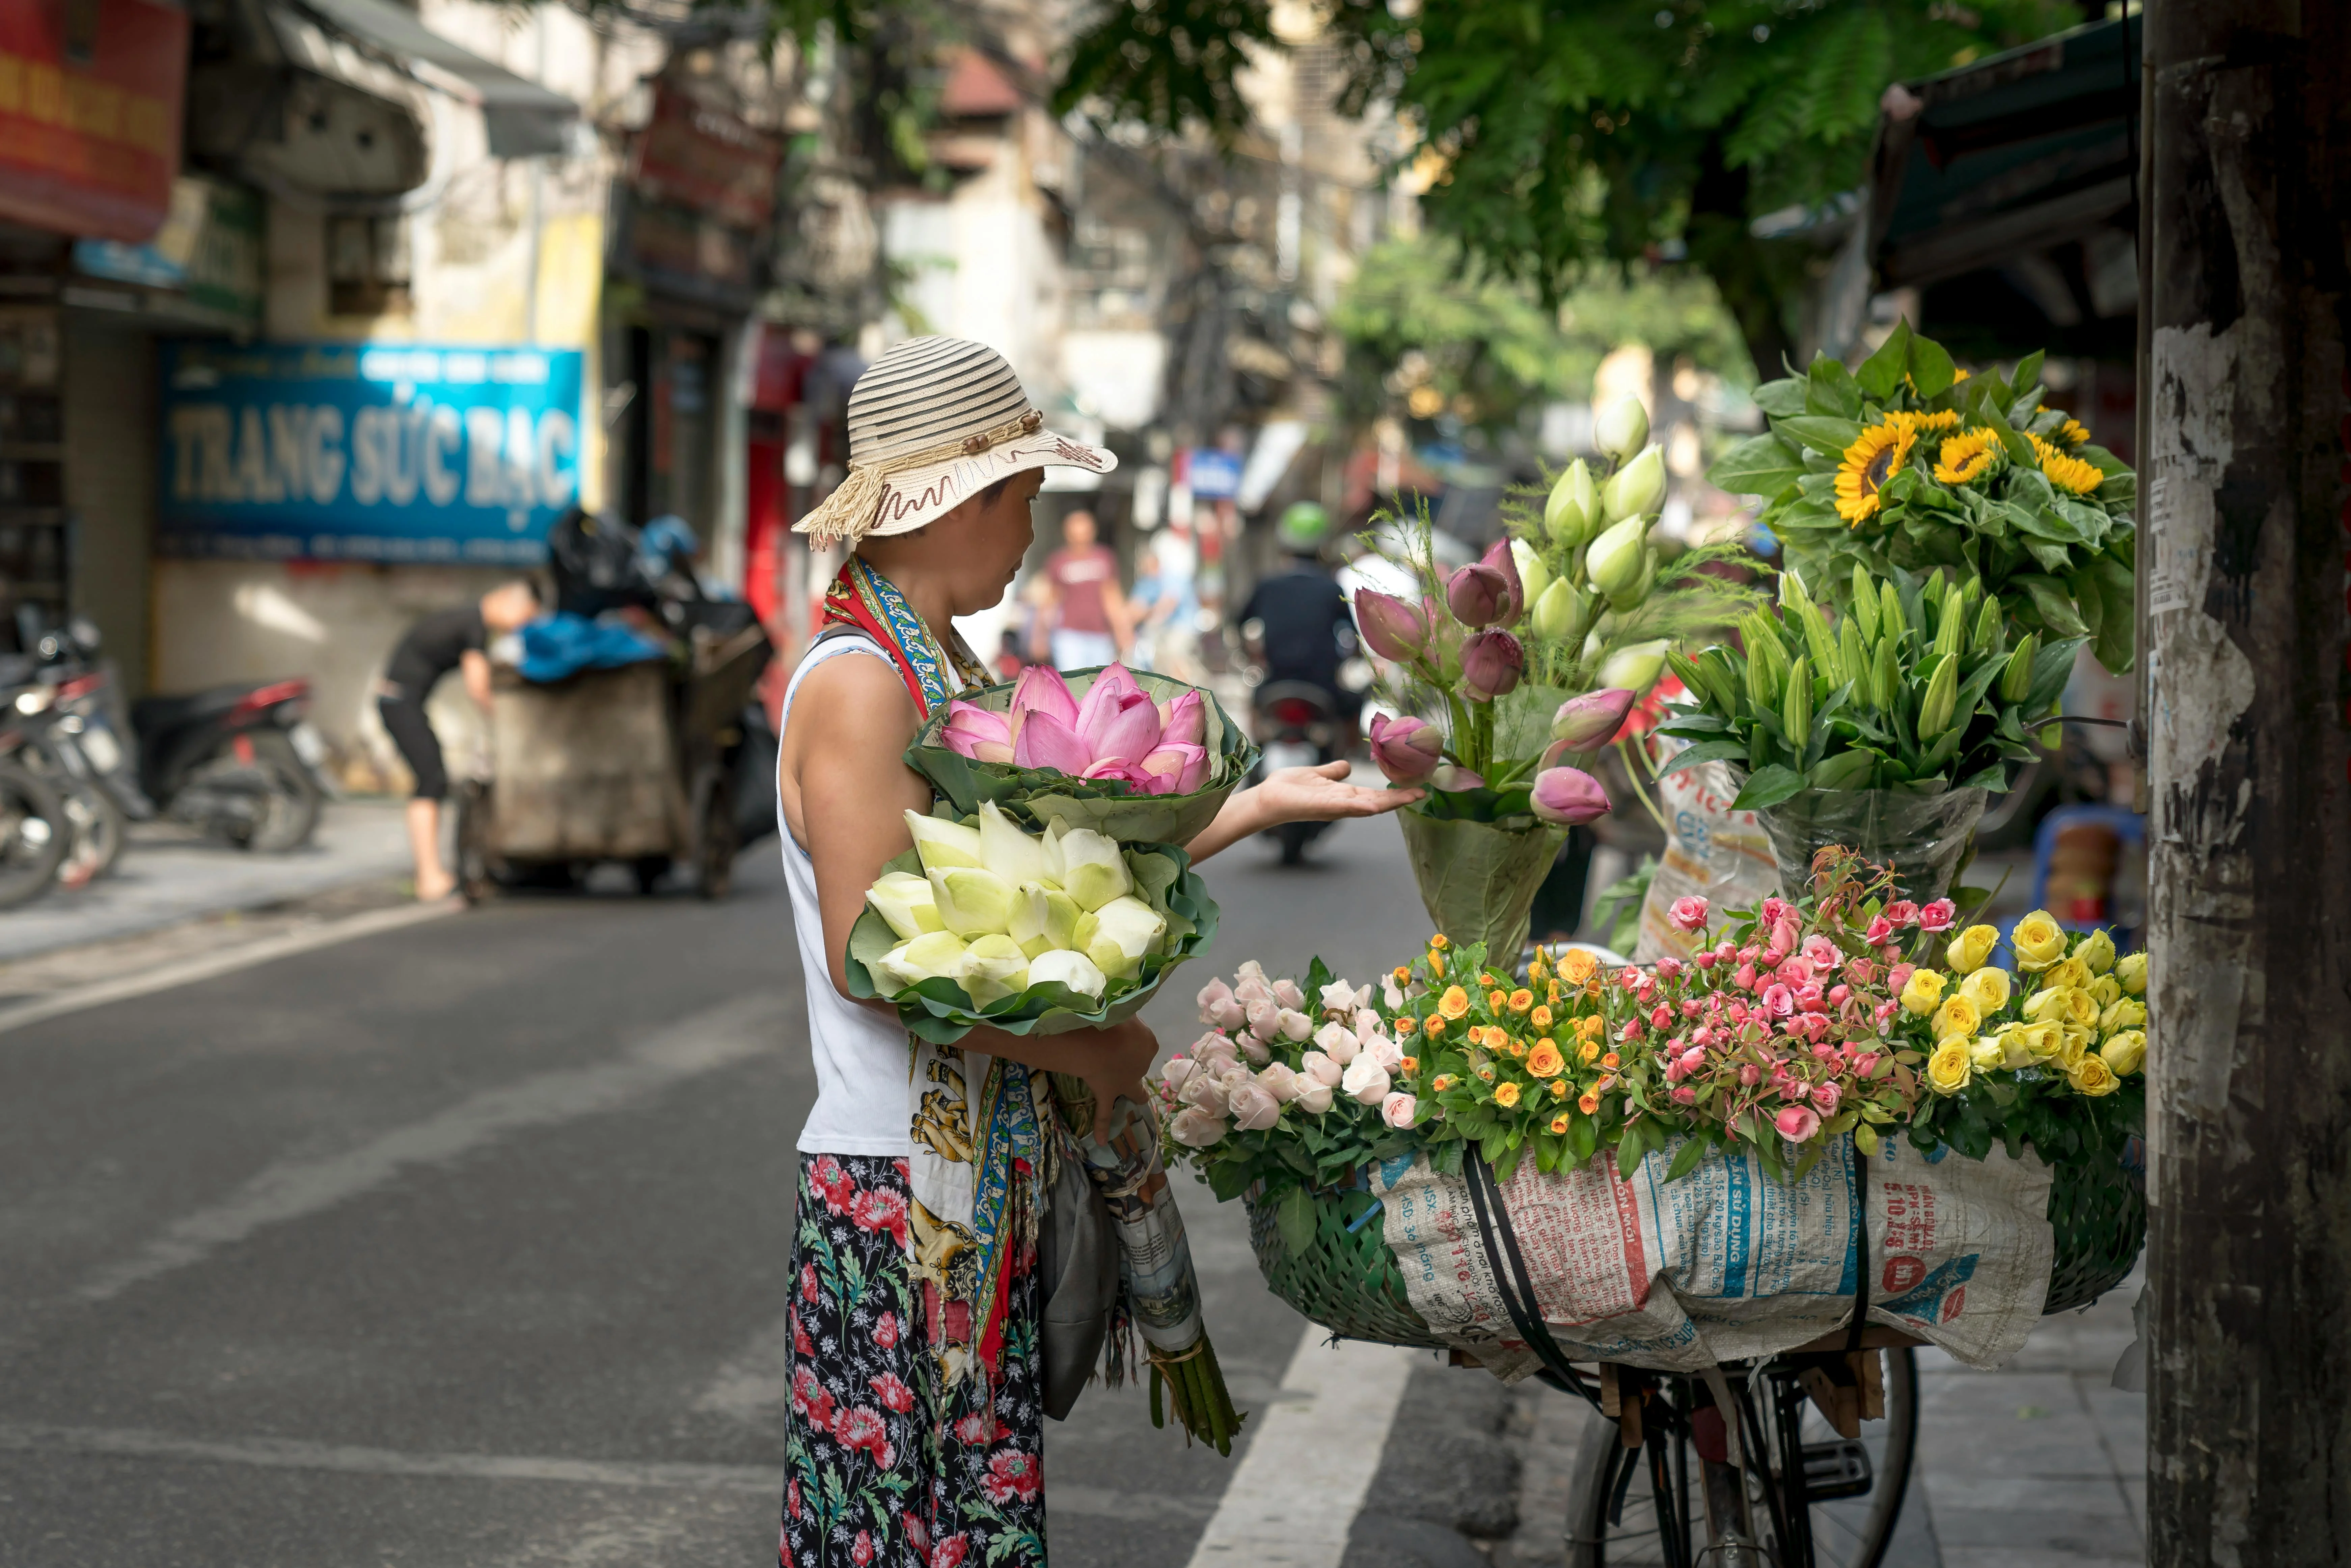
(1090, 623)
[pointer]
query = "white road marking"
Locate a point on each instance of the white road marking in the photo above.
(296, 1188)
(225, 961)
(1297, 1490)
(296, 1454)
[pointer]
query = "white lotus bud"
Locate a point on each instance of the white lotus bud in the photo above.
(1119, 935)
(1636, 666)
(1006, 849)
(903, 900)
(1574, 506)
(1043, 918)
(1533, 575)
(1614, 562)
(944, 845)
(934, 954)
(1074, 970)
(1620, 428)
(1639, 487)
(993, 966)
(1093, 870)
(972, 902)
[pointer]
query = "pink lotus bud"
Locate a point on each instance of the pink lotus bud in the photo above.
(1398, 1109)
(1047, 742)
(976, 732)
(1591, 721)
(1042, 690)
(1185, 721)
(1492, 664)
(1254, 1108)
(1938, 916)
(1454, 777)
(1568, 797)
(1406, 749)
(1690, 914)
(1175, 769)
(1394, 630)
(1484, 594)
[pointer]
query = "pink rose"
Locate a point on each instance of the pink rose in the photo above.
(1339, 997)
(1774, 911)
(1320, 1068)
(1809, 998)
(1797, 1123)
(1938, 916)
(1821, 953)
(1745, 977)
(1279, 1081)
(1254, 1107)
(1256, 1050)
(1902, 912)
(1750, 1075)
(1252, 990)
(1825, 1097)
(1838, 993)
(1215, 998)
(1204, 1094)
(1196, 1129)
(1313, 1095)
(1779, 1001)
(1288, 995)
(1880, 929)
(1706, 961)
(1264, 1018)
(1669, 968)
(1295, 1025)
(1398, 1109)
(1688, 913)
(1865, 1064)
(1899, 977)
(1685, 1095)
(1338, 1042)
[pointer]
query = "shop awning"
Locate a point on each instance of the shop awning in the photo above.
(524, 119)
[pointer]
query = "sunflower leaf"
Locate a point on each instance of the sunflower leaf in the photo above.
(1822, 432)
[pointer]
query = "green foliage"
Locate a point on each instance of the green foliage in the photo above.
(1168, 65)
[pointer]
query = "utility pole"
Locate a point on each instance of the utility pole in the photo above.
(2242, 566)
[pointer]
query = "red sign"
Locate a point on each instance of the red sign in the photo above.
(693, 156)
(90, 114)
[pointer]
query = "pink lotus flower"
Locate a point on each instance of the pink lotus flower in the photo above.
(1797, 1123)
(1394, 630)
(1690, 914)
(1183, 722)
(1040, 689)
(1118, 721)
(1175, 769)
(1568, 797)
(977, 732)
(1045, 741)
(1938, 916)
(1406, 749)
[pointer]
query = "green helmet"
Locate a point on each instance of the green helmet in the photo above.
(1303, 527)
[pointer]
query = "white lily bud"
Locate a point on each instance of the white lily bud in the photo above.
(994, 966)
(1639, 487)
(931, 955)
(1619, 429)
(903, 900)
(943, 845)
(1072, 969)
(1042, 918)
(1093, 871)
(1119, 935)
(972, 902)
(1008, 850)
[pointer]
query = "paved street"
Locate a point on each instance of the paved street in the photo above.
(463, 1243)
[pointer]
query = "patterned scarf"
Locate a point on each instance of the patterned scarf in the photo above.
(976, 1168)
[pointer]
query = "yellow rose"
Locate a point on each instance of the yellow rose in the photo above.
(2091, 1076)
(2132, 973)
(1988, 989)
(1454, 1003)
(1987, 1054)
(2071, 972)
(1544, 1060)
(1957, 1016)
(1970, 947)
(2126, 1013)
(1505, 1094)
(2098, 951)
(2078, 1041)
(2047, 1006)
(1924, 993)
(1951, 1067)
(2039, 941)
(2027, 1043)
(1575, 965)
(2106, 990)
(2125, 1052)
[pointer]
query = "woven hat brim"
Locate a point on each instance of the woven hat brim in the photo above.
(911, 497)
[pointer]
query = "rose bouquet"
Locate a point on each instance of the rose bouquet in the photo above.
(1139, 757)
(983, 922)
(1909, 462)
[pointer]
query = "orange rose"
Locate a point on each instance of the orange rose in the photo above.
(1576, 966)
(1609, 1061)
(1588, 1051)
(1590, 1104)
(1559, 1088)
(1506, 1095)
(1497, 1000)
(1454, 1003)
(1544, 1060)
(1559, 1124)
(1411, 1064)
(1400, 975)
(1521, 1000)
(1434, 1024)
(1406, 1024)
(1438, 942)
(1436, 963)
(1541, 1017)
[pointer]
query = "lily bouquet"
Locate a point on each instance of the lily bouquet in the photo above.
(1911, 462)
(1140, 758)
(985, 922)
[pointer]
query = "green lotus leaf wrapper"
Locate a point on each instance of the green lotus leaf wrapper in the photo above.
(940, 1011)
(1111, 807)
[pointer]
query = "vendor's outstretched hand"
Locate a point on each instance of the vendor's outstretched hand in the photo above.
(1320, 794)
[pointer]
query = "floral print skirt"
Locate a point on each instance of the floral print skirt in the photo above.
(885, 1465)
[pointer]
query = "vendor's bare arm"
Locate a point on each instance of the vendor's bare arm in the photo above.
(1294, 795)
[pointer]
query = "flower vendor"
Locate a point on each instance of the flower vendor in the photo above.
(916, 1413)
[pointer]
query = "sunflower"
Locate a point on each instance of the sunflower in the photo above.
(2064, 470)
(1922, 424)
(1967, 456)
(1868, 464)
(2071, 433)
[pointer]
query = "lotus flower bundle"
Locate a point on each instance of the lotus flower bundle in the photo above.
(988, 921)
(1116, 731)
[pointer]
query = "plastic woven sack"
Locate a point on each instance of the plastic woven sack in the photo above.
(1919, 837)
(1713, 853)
(1041, 797)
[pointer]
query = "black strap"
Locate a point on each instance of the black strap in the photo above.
(1861, 1253)
(1493, 1225)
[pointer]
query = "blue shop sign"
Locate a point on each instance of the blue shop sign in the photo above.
(389, 452)
(1214, 474)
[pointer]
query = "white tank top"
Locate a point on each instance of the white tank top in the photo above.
(862, 1059)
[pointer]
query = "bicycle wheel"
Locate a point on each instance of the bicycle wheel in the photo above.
(1623, 1496)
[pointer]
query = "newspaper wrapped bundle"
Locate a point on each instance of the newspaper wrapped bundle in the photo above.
(1159, 1293)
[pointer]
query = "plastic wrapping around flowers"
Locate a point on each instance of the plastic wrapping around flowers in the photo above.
(1138, 757)
(983, 922)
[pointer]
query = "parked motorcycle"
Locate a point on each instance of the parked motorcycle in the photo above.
(69, 707)
(239, 762)
(35, 831)
(1297, 726)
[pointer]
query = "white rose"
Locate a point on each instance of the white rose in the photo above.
(1365, 1079)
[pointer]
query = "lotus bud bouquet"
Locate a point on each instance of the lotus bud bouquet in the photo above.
(1140, 758)
(1910, 463)
(986, 922)
(1884, 730)
(1512, 673)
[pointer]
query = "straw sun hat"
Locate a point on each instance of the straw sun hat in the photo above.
(933, 423)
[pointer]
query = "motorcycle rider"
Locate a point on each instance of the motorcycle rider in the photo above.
(1305, 629)
(454, 639)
